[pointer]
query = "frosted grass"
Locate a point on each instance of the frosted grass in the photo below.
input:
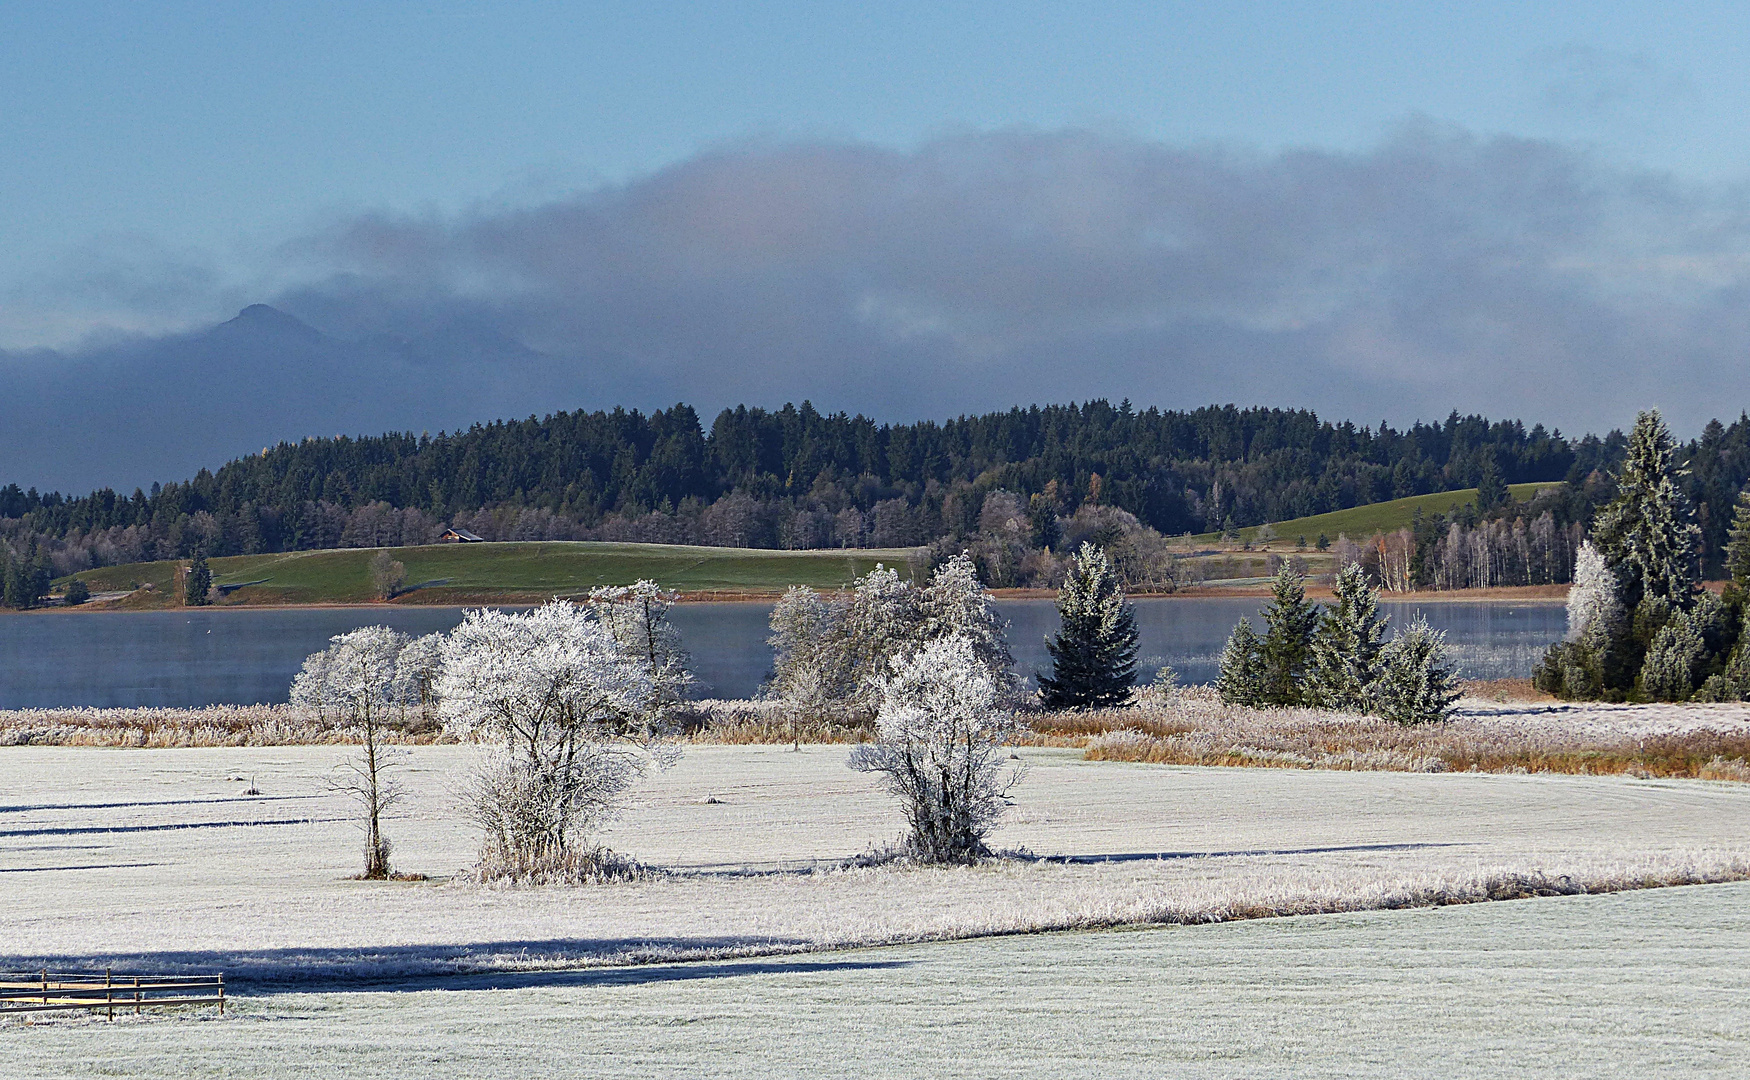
(1634, 984)
(155, 860)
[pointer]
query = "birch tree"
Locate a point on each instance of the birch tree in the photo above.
(356, 678)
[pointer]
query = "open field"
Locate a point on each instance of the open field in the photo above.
(1631, 984)
(1363, 521)
(507, 572)
(154, 860)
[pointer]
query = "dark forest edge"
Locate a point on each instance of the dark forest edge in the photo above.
(1015, 488)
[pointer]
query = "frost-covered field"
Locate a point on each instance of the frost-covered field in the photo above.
(1641, 984)
(151, 859)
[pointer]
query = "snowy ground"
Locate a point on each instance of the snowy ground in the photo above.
(1653, 983)
(152, 860)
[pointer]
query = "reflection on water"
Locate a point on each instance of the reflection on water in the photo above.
(172, 658)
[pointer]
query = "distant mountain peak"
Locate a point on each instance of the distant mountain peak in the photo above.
(264, 317)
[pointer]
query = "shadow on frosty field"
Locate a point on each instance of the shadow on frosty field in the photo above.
(151, 859)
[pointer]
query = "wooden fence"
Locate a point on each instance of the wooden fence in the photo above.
(48, 991)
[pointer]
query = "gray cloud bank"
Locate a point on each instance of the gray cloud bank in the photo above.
(1440, 270)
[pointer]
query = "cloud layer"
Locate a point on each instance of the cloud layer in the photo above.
(1441, 270)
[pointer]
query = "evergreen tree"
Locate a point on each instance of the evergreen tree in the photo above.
(1648, 533)
(1738, 547)
(13, 581)
(1417, 684)
(1346, 661)
(1094, 654)
(1491, 489)
(199, 581)
(1241, 681)
(1289, 623)
(1676, 657)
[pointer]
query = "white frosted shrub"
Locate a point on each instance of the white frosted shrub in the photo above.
(940, 731)
(569, 713)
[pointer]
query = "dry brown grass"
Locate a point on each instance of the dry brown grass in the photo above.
(1192, 727)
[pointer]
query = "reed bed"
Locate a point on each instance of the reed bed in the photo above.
(1193, 727)
(214, 725)
(1188, 726)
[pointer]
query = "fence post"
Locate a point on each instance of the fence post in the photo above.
(136, 995)
(109, 992)
(45, 986)
(221, 993)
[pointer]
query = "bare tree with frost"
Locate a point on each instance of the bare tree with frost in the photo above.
(637, 617)
(416, 674)
(940, 731)
(356, 678)
(569, 713)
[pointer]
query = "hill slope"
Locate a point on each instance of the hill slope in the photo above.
(505, 572)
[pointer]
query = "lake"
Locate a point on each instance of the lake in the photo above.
(241, 656)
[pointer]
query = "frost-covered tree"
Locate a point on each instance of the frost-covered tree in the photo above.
(811, 665)
(1738, 545)
(1289, 623)
(1417, 684)
(1241, 680)
(829, 652)
(882, 623)
(1345, 660)
(940, 730)
(1094, 653)
(956, 604)
(416, 674)
(1674, 661)
(636, 616)
(568, 712)
(310, 686)
(1648, 533)
(355, 677)
(1592, 596)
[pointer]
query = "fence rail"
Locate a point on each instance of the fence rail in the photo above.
(50, 991)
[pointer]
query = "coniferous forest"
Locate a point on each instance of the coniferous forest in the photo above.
(799, 478)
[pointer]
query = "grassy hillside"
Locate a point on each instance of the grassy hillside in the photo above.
(465, 573)
(1363, 521)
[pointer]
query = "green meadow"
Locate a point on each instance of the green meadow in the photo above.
(1363, 521)
(466, 573)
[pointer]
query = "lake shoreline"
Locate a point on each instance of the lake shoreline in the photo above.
(1520, 594)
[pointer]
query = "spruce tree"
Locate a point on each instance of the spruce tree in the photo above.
(1094, 654)
(1289, 623)
(1738, 546)
(1648, 533)
(1491, 489)
(11, 581)
(1417, 685)
(199, 581)
(1346, 662)
(1241, 681)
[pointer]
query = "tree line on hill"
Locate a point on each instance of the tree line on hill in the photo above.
(1017, 489)
(793, 477)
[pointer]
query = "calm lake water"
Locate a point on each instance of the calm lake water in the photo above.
(181, 658)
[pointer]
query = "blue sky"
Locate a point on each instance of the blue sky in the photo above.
(231, 126)
(164, 164)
